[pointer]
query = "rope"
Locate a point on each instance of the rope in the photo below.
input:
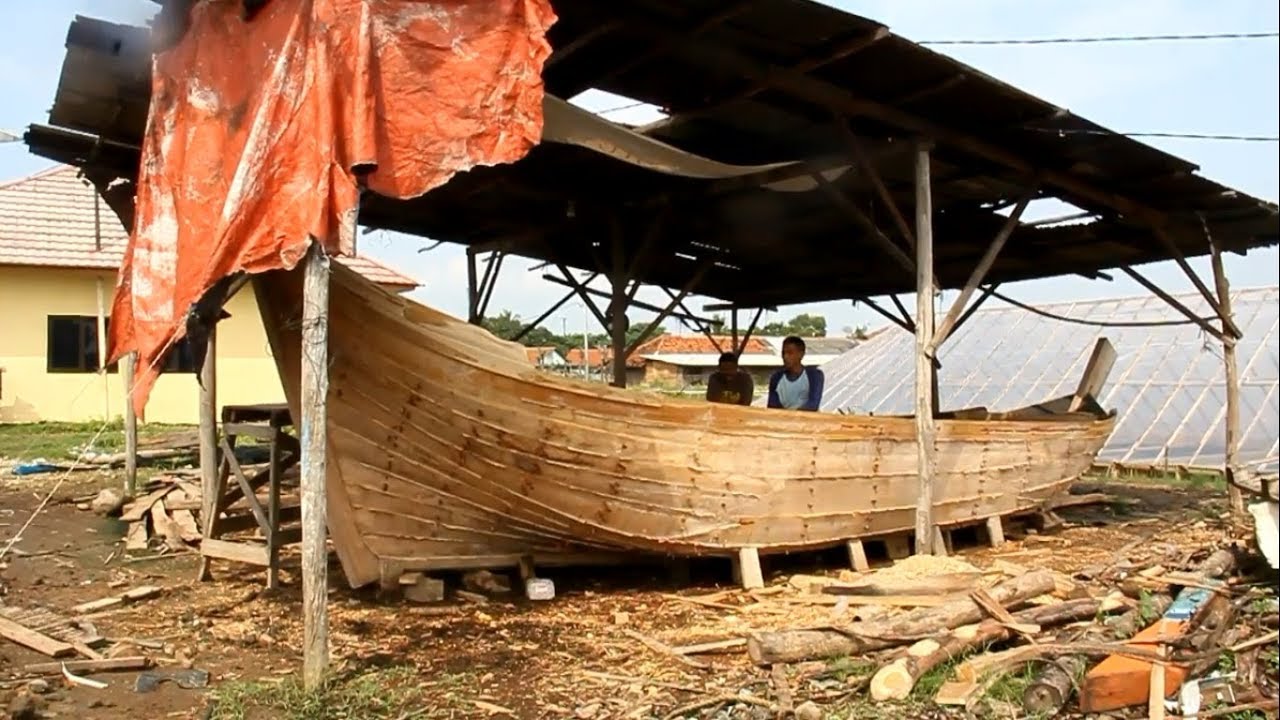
(1092, 323)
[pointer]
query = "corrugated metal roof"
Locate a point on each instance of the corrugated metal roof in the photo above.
(50, 219)
(1167, 384)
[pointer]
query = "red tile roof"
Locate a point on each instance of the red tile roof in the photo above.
(697, 345)
(49, 220)
(599, 357)
(535, 353)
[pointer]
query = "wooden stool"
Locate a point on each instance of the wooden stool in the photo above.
(267, 423)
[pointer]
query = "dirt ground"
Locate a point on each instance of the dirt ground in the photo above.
(580, 655)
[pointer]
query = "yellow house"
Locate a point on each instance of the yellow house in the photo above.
(60, 250)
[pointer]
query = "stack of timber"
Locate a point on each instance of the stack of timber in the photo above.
(448, 449)
(167, 514)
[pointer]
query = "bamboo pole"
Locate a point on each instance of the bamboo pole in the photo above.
(1230, 450)
(315, 389)
(925, 373)
(473, 288)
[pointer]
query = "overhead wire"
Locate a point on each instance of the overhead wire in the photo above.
(1081, 321)
(1107, 39)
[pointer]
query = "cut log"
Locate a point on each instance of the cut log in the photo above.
(1054, 684)
(858, 638)
(896, 680)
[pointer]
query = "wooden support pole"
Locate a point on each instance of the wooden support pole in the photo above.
(666, 312)
(490, 282)
(208, 414)
(903, 323)
(980, 272)
(129, 366)
(858, 216)
(1232, 420)
(987, 292)
(584, 293)
(747, 567)
(925, 373)
(733, 325)
(314, 435)
(746, 337)
(617, 314)
(902, 310)
(558, 304)
(868, 167)
(473, 288)
(1215, 303)
(858, 556)
(1173, 302)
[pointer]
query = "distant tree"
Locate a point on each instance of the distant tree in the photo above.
(802, 325)
(505, 325)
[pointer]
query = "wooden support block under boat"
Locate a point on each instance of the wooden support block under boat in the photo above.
(447, 448)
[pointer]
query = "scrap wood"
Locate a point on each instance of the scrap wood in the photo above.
(782, 689)
(767, 648)
(720, 700)
(139, 593)
(103, 665)
(895, 680)
(1195, 618)
(493, 709)
(712, 600)
(1261, 705)
(728, 644)
(1002, 616)
(1054, 683)
(34, 640)
(664, 649)
(1065, 501)
(1267, 639)
(976, 674)
(945, 584)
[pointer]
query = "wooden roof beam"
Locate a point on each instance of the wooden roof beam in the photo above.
(832, 97)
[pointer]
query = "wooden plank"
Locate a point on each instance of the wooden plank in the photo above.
(137, 662)
(858, 556)
(129, 366)
(29, 638)
(139, 508)
(249, 553)
(314, 430)
(926, 432)
(1095, 374)
(995, 531)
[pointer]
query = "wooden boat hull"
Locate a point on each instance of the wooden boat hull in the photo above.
(448, 449)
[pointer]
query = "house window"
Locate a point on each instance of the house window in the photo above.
(73, 347)
(73, 344)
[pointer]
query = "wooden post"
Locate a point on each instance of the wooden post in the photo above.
(208, 439)
(129, 365)
(925, 389)
(617, 315)
(312, 424)
(1232, 419)
(473, 288)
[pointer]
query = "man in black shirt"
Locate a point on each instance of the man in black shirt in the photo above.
(730, 384)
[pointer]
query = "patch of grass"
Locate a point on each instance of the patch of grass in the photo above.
(59, 442)
(843, 668)
(386, 694)
(929, 683)
(1010, 686)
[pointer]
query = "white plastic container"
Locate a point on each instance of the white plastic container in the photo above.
(539, 589)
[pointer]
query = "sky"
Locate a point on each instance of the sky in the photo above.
(1208, 87)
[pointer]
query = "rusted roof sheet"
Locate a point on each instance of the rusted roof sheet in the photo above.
(50, 219)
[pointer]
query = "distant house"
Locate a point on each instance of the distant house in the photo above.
(599, 365)
(546, 357)
(60, 252)
(687, 361)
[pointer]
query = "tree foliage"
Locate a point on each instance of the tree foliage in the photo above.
(507, 325)
(802, 325)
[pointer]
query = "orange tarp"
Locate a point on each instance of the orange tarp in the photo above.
(257, 127)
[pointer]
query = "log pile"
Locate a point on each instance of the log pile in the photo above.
(1104, 641)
